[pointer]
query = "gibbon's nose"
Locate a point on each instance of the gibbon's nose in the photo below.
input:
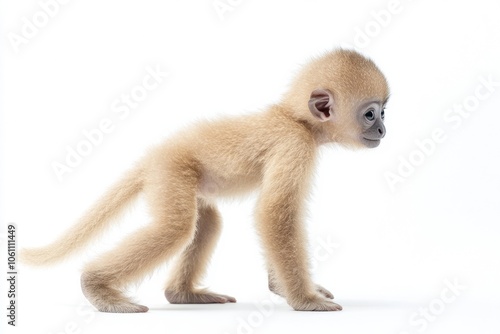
(381, 130)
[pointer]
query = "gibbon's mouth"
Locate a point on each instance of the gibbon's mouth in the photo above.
(371, 143)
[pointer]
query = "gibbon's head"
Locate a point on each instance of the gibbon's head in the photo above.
(342, 94)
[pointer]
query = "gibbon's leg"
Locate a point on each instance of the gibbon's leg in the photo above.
(280, 226)
(172, 199)
(283, 239)
(274, 287)
(182, 287)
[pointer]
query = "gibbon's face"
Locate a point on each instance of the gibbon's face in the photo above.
(370, 117)
(357, 124)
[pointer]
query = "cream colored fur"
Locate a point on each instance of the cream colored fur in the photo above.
(273, 151)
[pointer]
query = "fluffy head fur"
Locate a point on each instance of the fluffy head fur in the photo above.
(352, 78)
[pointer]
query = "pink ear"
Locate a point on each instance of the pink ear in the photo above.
(320, 104)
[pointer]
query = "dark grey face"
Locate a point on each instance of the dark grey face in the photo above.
(371, 118)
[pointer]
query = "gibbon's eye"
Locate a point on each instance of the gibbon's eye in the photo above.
(370, 115)
(382, 114)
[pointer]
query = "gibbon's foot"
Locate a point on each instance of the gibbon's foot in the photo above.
(197, 297)
(319, 288)
(315, 304)
(125, 307)
(323, 291)
(107, 299)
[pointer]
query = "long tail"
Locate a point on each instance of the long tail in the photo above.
(93, 223)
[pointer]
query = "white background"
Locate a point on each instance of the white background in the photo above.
(394, 248)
